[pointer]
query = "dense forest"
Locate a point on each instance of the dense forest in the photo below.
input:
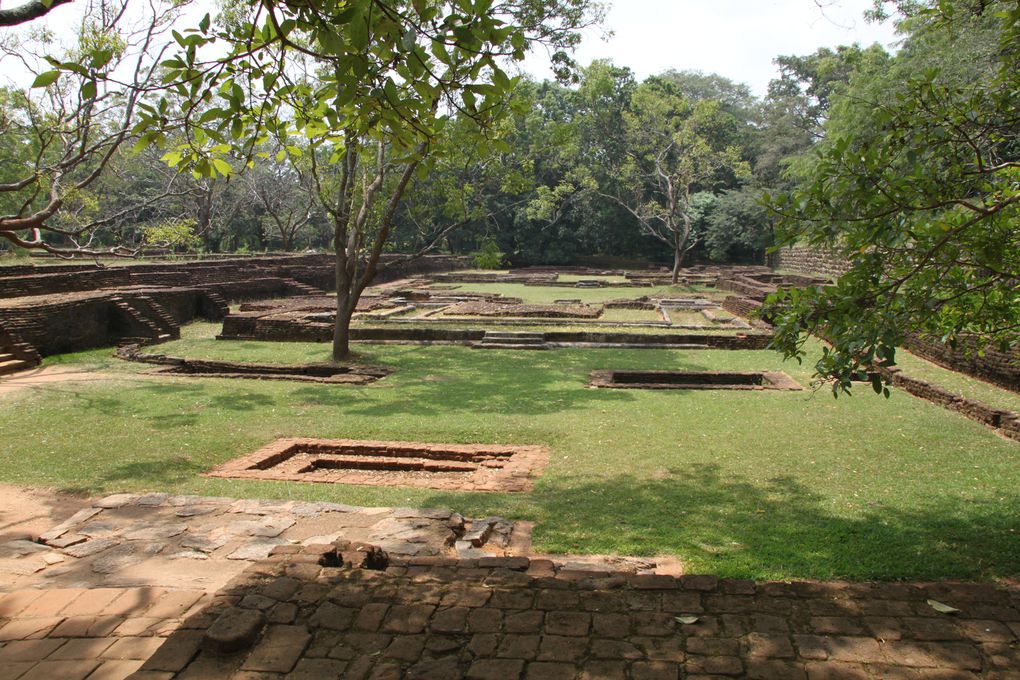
(598, 165)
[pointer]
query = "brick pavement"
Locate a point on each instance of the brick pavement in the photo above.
(95, 633)
(515, 618)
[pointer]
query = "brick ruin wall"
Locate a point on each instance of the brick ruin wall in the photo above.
(76, 306)
(232, 278)
(809, 260)
(993, 365)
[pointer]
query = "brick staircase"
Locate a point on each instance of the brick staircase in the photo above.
(16, 355)
(511, 340)
(158, 314)
(139, 325)
(303, 288)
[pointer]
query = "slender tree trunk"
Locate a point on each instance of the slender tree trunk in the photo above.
(344, 312)
(678, 258)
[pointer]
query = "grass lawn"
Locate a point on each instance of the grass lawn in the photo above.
(961, 384)
(540, 295)
(743, 484)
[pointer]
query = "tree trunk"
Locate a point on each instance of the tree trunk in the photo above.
(344, 312)
(678, 258)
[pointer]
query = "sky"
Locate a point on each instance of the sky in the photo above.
(737, 39)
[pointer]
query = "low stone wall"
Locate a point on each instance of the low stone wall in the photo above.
(809, 260)
(993, 365)
(1007, 422)
(233, 277)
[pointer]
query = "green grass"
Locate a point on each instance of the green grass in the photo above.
(744, 484)
(961, 384)
(538, 295)
(571, 278)
(632, 315)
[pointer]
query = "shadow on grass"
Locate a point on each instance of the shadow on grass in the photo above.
(728, 525)
(152, 474)
(483, 381)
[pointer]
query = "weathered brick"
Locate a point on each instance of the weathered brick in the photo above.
(834, 670)
(611, 625)
(115, 670)
(451, 620)
(371, 616)
(654, 670)
(79, 648)
(770, 669)
(567, 623)
(65, 670)
(28, 629)
(518, 647)
(546, 670)
(526, 621)
(495, 669)
(29, 650)
(766, 646)
(661, 648)
(654, 623)
(604, 670)
(483, 644)
(445, 668)
(682, 602)
(485, 620)
(176, 652)
(715, 665)
(279, 649)
(317, 669)
(406, 648)
(602, 648)
(560, 648)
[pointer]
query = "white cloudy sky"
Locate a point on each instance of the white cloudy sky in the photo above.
(734, 38)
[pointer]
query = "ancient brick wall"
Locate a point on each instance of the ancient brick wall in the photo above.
(995, 366)
(809, 260)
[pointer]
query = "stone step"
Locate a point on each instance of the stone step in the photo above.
(514, 335)
(13, 366)
(5, 357)
(507, 345)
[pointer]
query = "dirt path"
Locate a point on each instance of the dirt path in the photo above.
(47, 375)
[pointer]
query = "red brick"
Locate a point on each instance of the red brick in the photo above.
(926, 628)
(279, 649)
(653, 582)
(762, 645)
(682, 602)
(654, 670)
(559, 648)
(28, 629)
(654, 624)
(115, 670)
(51, 602)
(856, 649)
(712, 646)
(611, 625)
(715, 665)
(495, 669)
(604, 670)
(695, 582)
(833, 670)
(518, 647)
(65, 670)
(556, 599)
(81, 648)
(884, 627)
(13, 603)
(371, 617)
(174, 604)
(527, 621)
(567, 623)
(91, 602)
(483, 644)
(29, 650)
(176, 651)
(512, 599)
(87, 626)
(133, 648)
(545, 670)
(836, 625)
(661, 648)
(769, 669)
(485, 620)
(811, 647)
(614, 649)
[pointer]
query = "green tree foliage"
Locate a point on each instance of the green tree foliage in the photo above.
(369, 85)
(917, 183)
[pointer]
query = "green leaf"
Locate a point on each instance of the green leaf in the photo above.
(88, 90)
(46, 78)
(222, 166)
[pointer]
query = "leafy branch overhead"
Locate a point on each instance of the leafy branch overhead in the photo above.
(917, 182)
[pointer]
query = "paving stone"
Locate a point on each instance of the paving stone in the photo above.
(91, 602)
(28, 629)
(279, 649)
(117, 558)
(156, 532)
(176, 652)
(205, 543)
(562, 649)
(91, 547)
(603, 670)
(235, 629)
(118, 500)
(407, 618)
(654, 670)
(12, 670)
(495, 669)
(87, 626)
(115, 670)
(80, 648)
(256, 550)
(71, 522)
(567, 623)
(407, 648)
(29, 650)
(546, 670)
(65, 670)
(318, 669)
(445, 668)
(133, 648)
(526, 621)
